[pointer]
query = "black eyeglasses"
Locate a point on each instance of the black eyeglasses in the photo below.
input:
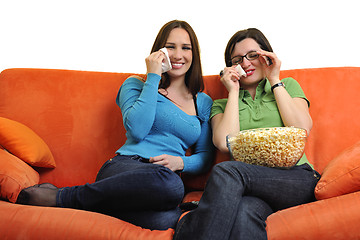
(249, 56)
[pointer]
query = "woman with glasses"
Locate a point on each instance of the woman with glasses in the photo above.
(238, 196)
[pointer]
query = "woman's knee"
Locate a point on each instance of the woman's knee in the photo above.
(255, 208)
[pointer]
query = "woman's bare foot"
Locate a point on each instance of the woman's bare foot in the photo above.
(38, 195)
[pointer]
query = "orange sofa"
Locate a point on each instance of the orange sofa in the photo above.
(62, 125)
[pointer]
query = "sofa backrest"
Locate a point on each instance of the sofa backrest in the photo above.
(74, 112)
(76, 115)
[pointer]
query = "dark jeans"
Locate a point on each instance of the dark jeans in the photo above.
(130, 188)
(239, 197)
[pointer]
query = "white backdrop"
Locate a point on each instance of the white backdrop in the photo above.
(117, 35)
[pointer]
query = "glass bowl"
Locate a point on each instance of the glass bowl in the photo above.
(271, 147)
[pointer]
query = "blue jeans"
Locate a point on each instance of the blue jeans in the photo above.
(132, 189)
(239, 197)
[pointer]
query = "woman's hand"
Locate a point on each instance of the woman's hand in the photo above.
(230, 79)
(171, 162)
(227, 122)
(293, 111)
(272, 70)
(154, 61)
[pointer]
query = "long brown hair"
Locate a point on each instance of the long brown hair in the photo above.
(193, 78)
(253, 33)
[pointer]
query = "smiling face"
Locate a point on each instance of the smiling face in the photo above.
(179, 48)
(254, 69)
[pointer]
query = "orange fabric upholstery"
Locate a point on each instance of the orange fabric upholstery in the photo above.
(341, 176)
(25, 144)
(31, 222)
(334, 107)
(75, 113)
(15, 175)
(335, 218)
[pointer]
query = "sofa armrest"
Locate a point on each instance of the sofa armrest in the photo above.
(334, 218)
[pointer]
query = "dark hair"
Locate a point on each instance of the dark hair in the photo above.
(193, 77)
(253, 33)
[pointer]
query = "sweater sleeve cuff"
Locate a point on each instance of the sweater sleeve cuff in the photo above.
(153, 79)
(192, 166)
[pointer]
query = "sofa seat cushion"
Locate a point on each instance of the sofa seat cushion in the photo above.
(24, 143)
(341, 176)
(15, 175)
(34, 223)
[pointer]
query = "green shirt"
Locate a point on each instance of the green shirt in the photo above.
(262, 111)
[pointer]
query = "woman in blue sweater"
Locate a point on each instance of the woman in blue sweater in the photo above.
(164, 115)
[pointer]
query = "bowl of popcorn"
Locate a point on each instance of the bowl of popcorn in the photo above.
(271, 147)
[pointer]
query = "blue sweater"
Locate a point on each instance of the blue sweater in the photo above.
(155, 125)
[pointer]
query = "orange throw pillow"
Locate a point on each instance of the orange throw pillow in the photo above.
(24, 143)
(341, 176)
(15, 175)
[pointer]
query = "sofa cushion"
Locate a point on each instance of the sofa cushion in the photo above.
(341, 176)
(24, 143)
(33, 222)
(15, 175)
(334, 218)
